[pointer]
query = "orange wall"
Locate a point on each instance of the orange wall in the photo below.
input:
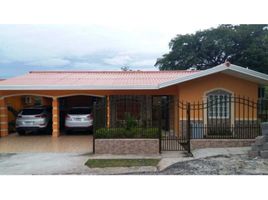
(193, 91)
(58, 93)
(16, 103)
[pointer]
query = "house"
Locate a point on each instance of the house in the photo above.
(137, 92)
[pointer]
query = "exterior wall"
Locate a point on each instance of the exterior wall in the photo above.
(127, 146)
(220, 143)
(16, 104)
(61, 93)
(193, 91)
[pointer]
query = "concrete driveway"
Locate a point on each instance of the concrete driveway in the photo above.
(46, 144)
(43, 163)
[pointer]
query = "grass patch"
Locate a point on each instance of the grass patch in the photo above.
(102, 163)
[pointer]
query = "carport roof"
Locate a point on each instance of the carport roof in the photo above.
(121, 80)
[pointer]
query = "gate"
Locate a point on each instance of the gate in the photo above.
(177, 140)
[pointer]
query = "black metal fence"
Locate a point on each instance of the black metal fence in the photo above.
(126, 117)
(223, 117)
(175, 123)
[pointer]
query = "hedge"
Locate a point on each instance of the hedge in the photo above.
(110, 133)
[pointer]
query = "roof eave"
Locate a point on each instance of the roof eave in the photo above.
(72, 87)
(251, 75)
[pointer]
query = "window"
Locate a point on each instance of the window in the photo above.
(261, 92)
(218, 104)
(27, 100)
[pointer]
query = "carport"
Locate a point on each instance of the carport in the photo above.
(59, 104)
(16, 103)
(67, 102)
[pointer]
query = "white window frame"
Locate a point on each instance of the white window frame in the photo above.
(218, 110)
(28, 100)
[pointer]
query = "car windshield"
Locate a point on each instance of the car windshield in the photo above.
(79, 111)
(32, 111)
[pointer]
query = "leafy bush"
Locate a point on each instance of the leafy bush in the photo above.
(128, 129)
(110, 133)
(130, 122)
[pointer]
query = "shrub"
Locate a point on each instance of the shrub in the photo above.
(127, 133)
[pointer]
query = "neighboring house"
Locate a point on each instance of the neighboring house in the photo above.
(136, 92)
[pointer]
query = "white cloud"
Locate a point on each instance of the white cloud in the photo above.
(53, 62)
(118, 60)
(145, 62)
(82, 65)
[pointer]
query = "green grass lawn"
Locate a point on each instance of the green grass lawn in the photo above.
(101, 163)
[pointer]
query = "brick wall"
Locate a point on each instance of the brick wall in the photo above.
(220, 143)
(126, 146)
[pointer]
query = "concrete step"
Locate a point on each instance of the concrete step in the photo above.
(264, 154)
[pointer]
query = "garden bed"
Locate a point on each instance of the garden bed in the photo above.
(102, 163)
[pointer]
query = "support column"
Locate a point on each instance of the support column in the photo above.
(3, 118)
(55, 117)
(176, 115)
(108, 111)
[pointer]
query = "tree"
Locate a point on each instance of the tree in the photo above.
(244, 45)
(126, 68)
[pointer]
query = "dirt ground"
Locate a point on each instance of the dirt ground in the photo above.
(218, 165)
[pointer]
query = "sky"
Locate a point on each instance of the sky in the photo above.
(99, 35)
(79, 47)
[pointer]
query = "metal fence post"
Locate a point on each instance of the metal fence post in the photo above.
(189, 126)
(94, 125)
(160, 128)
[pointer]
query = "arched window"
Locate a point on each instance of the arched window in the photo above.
(218, 104)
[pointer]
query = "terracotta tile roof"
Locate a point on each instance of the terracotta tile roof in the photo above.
(96, 78)
(121, 80)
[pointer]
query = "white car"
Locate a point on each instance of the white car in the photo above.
(35, 119)
(79, 119)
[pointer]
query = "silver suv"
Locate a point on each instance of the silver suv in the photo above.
(34, 119)
(79, 118)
